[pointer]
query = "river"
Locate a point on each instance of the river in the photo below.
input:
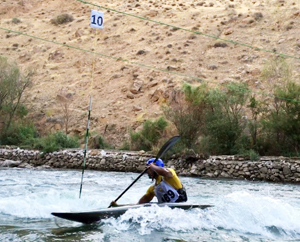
(243, 210)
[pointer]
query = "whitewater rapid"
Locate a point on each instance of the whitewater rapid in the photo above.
(242, 211)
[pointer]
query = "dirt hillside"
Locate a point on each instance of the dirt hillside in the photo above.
(139, 63)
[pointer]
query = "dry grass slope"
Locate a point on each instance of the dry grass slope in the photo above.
(126, 93)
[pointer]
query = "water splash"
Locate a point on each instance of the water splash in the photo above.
(155, 218)
(242, 211)
(256, 214)
(239, 212)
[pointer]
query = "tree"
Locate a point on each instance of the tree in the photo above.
(225, 119)
(282, 122)
(12, 87)
(254, 123)
(150, 134)
(187, 113)
(65, 100)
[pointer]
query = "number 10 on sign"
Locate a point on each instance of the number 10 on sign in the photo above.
(96, 19)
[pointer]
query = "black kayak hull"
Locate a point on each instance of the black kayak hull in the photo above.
(95, 216)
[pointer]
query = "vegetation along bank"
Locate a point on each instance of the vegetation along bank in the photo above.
(272, 169)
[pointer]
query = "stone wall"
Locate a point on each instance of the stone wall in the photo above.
(275, 169)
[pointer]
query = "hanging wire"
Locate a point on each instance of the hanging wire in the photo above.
(191, 31)
(140, 64)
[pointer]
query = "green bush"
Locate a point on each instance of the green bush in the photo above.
(98, 142)
(282, 121)
(187, 113)
(12, 86)
(254, 156)
(250, 154)
(256, 108)
(20, 135)
(225, 118)
(102, 144)
(277, 128)
(212, 121)
(275, 71)
(125, 146)
(149, 136)
(56, 141)
(16, 21)
(62, 18)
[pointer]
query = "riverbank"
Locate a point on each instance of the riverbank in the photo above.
(272, 169)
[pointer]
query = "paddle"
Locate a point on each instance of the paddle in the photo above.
(160, 153)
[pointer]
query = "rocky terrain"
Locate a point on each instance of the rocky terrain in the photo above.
(144, 53)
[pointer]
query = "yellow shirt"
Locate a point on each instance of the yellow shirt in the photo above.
(173, 181)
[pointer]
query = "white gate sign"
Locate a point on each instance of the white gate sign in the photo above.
(96, 19)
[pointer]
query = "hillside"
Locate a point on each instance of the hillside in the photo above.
(154, 59)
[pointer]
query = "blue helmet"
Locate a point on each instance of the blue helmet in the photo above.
(158, 162)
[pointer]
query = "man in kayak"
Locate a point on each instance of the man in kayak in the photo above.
(167, 186)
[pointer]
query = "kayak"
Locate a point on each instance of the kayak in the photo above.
(95, 216)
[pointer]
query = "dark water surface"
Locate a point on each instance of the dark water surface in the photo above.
(243, 211)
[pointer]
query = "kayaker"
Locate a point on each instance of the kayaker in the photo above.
(167, 186)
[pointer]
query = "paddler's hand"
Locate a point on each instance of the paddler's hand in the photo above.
(113, 204)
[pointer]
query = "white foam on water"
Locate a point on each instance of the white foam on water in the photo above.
(256, 214)
(148, 219)
(240, 212)
(255, 210)
(41, 204)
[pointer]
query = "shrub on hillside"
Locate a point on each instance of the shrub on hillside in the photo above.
(282, 121)
(149, 136)
(254, 124)
(12, 87)
(125, 145)
(62, 18)
(20, 135)
(275, 71)
(56, 141)
(212, 121)
(99, 142)
(16, 21)
(187, 113)
(225, 118)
